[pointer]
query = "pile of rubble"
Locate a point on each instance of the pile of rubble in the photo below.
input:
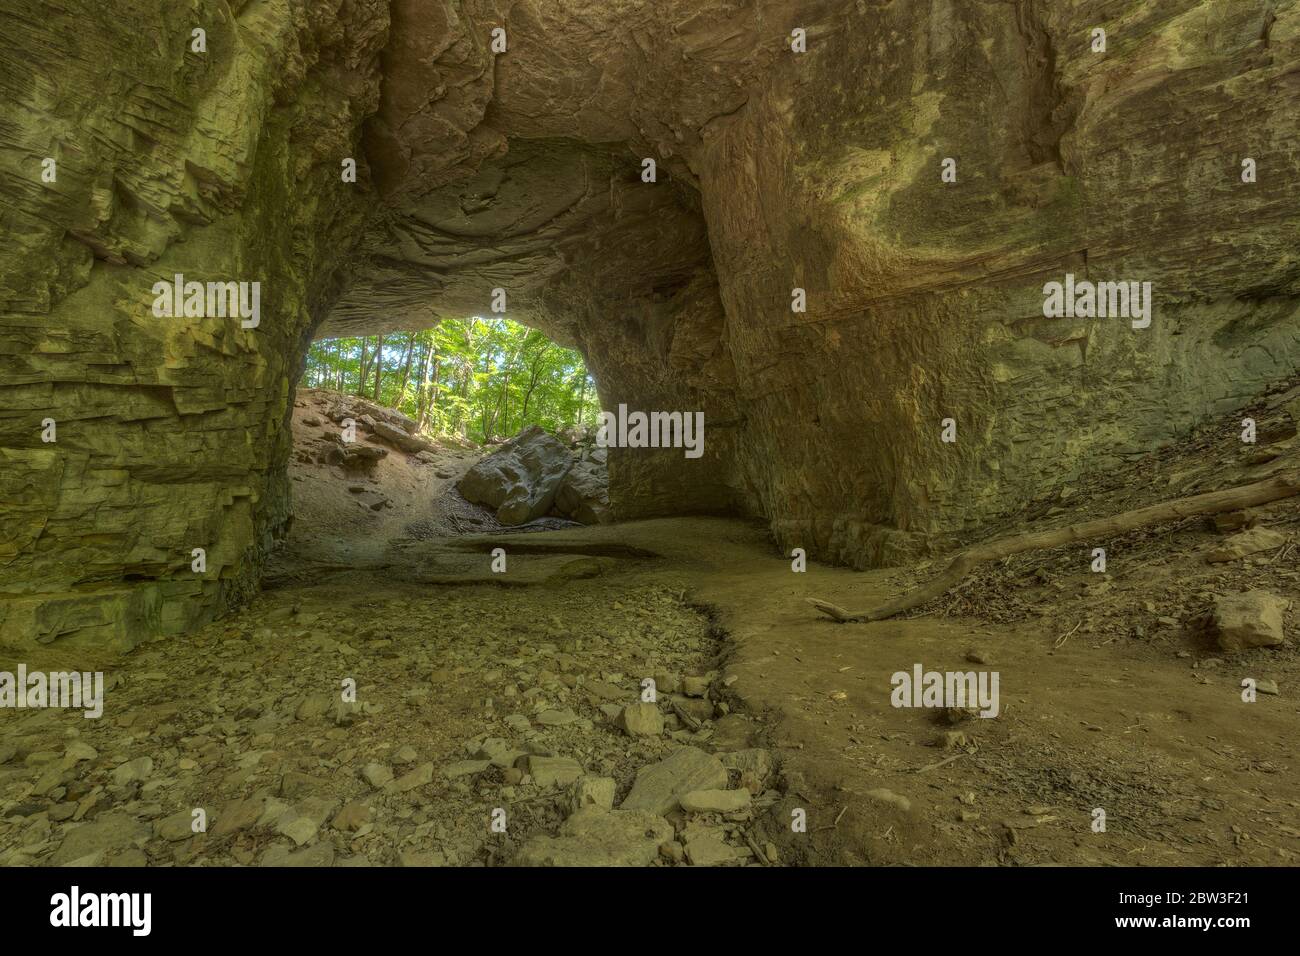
(385, 425)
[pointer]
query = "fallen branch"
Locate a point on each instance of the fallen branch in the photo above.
(1230, 499)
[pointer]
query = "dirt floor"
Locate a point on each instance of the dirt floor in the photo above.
(480, 694)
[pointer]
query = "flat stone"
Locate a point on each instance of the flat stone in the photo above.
(659, 786)
(465, 768)
(592, 792)
(138, 769)
(313, 706)
(78, 751)
(298, 829)
(322, 854)
(400, 438)
(499, 752)
(695, 686)
(594, 837)
(699, 708)
(110, 831)
(177, 827)
(603, 690)
(272, 811)
(377, 775)
(716, 801)
(518, 723)
(352, 817)
(236, 816)
(709, 849)
(1245, 543)
(302, 821)
(418, 777)
(641, 719)
(553, 771)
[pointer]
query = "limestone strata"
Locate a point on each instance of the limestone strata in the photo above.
(522, 171)
(171, 432)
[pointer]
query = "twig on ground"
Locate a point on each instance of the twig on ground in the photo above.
(935, 766)
(1060, 641)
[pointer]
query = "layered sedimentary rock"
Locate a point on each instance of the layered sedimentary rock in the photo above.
(522, 170)
(169, 433)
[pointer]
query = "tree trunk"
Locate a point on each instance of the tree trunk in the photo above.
(422, 385)
(364, 371)
(406, 370)
(532, 384)
(435, 368)
(1230, 499)
(379, 364)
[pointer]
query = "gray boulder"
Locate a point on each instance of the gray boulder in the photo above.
(584, 493)
(520, 480)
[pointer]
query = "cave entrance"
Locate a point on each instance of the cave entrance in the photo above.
(475, 425)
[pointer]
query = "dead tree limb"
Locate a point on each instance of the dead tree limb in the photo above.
(1230, 499)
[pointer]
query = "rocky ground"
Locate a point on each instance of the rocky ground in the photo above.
(499, 717)
(468, 703)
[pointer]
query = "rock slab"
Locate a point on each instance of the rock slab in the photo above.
(593, 837)
(660, 786)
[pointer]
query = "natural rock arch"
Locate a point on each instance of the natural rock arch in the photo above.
(777, 170)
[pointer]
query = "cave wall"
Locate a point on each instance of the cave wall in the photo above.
(171, 433)
(926, 298)
(522, 171)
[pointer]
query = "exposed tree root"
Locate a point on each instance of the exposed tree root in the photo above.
(1230, 499)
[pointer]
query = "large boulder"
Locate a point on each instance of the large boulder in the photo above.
(521, 479)
(584, 493)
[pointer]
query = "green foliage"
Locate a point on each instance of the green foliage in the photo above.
(475, 378)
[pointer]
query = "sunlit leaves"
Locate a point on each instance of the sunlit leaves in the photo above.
(475, 378)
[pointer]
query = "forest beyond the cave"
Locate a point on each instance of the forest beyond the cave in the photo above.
(473, 378)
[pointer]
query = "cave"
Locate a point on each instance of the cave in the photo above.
(849, 237)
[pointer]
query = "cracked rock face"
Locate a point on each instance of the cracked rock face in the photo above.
(522, 171)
